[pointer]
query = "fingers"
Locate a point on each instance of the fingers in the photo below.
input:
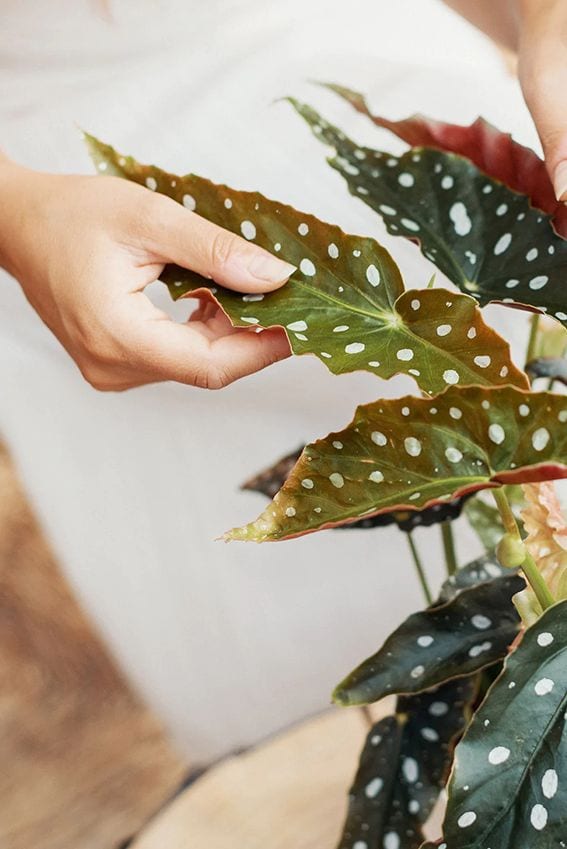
(193, 242)
(543, 75)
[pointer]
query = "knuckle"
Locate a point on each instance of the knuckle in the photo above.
(212, 377)
(224, 247)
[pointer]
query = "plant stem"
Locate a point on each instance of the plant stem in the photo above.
(532, 341)
(419, 568)
(449, 547)
(529, 566)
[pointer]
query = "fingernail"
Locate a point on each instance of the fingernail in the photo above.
(560, 181)
(264, 266)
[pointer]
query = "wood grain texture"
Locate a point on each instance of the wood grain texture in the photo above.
(84, 764)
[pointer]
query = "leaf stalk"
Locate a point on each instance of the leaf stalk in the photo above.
(419, 568)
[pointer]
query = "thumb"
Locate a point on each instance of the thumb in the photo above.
(543, 75)
(188, 240)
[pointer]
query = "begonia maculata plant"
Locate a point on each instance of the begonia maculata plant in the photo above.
(480, 674)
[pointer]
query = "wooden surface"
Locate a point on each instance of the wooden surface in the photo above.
(289, 793)
(83, 764)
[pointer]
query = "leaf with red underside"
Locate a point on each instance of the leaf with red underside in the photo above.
(410, 453)
(494, 152)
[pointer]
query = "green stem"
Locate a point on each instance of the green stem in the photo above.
(532, 341)
(449, 547)
(529, 566)
(419, 568)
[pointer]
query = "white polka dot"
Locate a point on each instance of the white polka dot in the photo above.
(355, 348)
(503, 244)
(297, 326)
(373, 788)
(360, 844)
(415, 304)
(413, 806)
(479, 649)
(524, 410)
(387, 210)
(249, 319)
(412, 446)
(406, 180)
(151, 183)
(417, 671)
(391, 840)
(511, 284)
(248, 230)
(340, 328)
(409, 224)
(102, 166)
(307, 483)
(337, 480)
(471, 332)
(549, 783)
(540, 438)
(303, 229)
(467, 819)
(373, 275)
(538, 282)
(425, 641)
(306, 267)
(333, 251)
(481, 622)
(460, 218)
(502, 209)
(447, 182)
(410, 769)
(482, 361)
(455, 413)
(228, 203)
(277, 247)
(450, 376)
(496, 434)
(439, 709)
(378, 438)
(532, 254)
(453, 455)
(544, 686)
(498, 755)
(430, 735)
(405, 354)
(376, 476)
(290, 511)
(545, 639)
(538, 817)
(444, 329)
(338, 445)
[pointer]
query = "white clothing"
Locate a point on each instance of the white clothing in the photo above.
(227, 642)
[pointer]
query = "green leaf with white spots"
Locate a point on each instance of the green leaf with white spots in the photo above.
(404, 766)
(346, 303)
(410, 453)
(471, 631)
(480, 571)
(270, 480)
(509, 784)
(487, 239)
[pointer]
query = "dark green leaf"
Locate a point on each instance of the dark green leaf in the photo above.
(509, 789)
(479, 571)
(411, 453)
(486, 238)
(467, 633)
(346, 303)
(550, 367)
(403, 767)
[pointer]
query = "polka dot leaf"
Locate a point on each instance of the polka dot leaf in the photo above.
(508, 787)
(487, 239)
(270, 480)
(494, 152)
(411, 453)
(346, 302)
(470, 631)
(404, 766)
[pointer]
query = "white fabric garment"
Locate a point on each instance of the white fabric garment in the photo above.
(227, 642)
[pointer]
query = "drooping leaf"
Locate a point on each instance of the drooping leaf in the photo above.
(554, 368)
(410, 453)
(482, 570)
(459, 637)
(508, 787)
(487, 239)
(270, 480)
(494, 152)
(551, 337)
(346, 303)
(404, 766)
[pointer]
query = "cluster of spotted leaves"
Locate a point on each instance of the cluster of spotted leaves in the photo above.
(407, 757)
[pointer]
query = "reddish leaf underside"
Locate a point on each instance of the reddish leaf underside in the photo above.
(494, 152)
(411, 453)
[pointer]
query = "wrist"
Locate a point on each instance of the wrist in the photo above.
(15, 185)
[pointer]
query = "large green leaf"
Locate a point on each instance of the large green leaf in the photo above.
(486, 238)
(509, 789)
(346, 303)
(471, 631)
(270, 480)
(409, 453)
(404, 766)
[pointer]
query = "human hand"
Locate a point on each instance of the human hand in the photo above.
(542, 54)
(84, 249)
